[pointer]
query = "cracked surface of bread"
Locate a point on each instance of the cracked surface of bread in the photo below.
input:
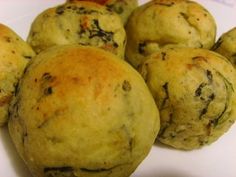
(84, 23)
(82, 112)
(14, 56)
(195, 92)
(166, 24)
(226, 45)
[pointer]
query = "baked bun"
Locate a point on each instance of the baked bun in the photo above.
(122, 7)
(195, 92)
(82, 112)
(168, 23)
(14, 55)
(226, 45)
(84, 23)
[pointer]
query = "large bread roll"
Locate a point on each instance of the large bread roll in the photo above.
(82, 112)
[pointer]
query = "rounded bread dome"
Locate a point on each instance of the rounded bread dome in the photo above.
(84, 23)
(166, 24)
(194, 90)
(80, 111)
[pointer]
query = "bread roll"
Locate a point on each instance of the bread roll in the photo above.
(166, 24)
(226, 45)
(84, 23)
(82, 112)
(122, 7)
(14, 56)
(195, 92)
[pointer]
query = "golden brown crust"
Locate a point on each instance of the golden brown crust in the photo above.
(90, 112)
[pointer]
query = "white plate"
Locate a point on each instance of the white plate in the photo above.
(216, 160)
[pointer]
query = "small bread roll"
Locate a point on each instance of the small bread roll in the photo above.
(166, 24)
(195, 92)
(84, 23)
(122, 7)
(14, 56)
(226, 45)
(82, 112)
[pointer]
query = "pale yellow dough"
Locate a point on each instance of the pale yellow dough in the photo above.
(166, 24)
(195, 92)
